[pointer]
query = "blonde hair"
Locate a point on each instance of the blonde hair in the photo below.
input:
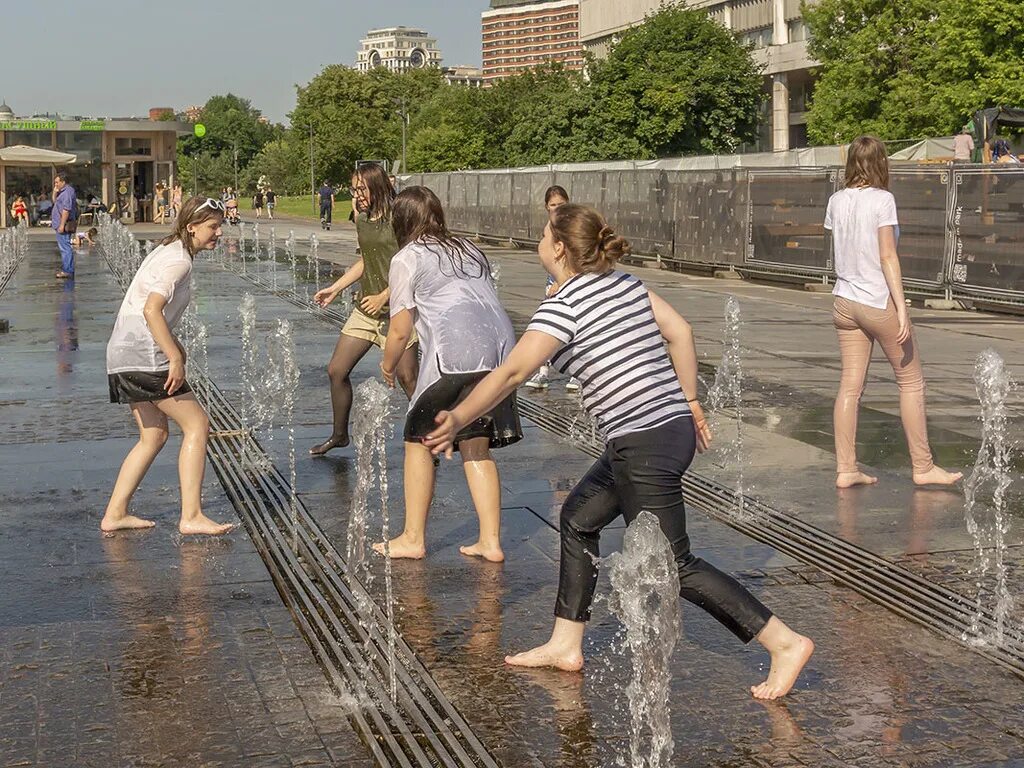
(591, 245)
(190, 216)
(867, 164)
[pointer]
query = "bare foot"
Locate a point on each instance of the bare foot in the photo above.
(334, 441)
(937, 476)
(548, 655)
(123, 523)
(786, 665)
(850, 479)
(402, 548)
(491, 554)
(203, 526)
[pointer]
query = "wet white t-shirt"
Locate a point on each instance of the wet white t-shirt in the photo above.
(461, 324)
(167, 270)
(855, 215)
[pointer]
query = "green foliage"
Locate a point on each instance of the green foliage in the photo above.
(285, 164)
(920, 67)
(231, 122)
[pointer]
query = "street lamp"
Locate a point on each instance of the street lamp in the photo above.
(405, 122)
(312, 180)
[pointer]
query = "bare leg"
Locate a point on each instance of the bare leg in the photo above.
(419, 492)
(855, 351)
(195, 426)
(563, 651)
(347, 353)
(485, 488)
(789, 651)
(152, 437)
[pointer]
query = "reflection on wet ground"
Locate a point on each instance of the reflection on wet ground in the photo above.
(97, 634)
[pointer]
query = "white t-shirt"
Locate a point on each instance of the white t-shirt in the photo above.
(461, 324)
(855, 215)
(166, 270)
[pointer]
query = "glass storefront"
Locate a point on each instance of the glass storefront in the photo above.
(32, 184)
(42, 139)
(86, 174)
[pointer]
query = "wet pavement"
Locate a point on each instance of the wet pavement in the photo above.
(197, 662)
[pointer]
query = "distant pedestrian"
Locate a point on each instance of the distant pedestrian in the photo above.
(554, 198)
(160, 203)
(869, 307)
(1000, 149)
(257, 203)
(176, 196)
(146, 369)
(963, 146)
(271, 197)
(64, 220)
(327, 204)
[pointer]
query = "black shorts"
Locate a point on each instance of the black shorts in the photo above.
(141, 387)
(501, 425)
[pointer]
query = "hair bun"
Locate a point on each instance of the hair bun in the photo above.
(605, 237)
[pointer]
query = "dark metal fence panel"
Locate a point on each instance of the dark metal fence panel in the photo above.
(709, 215)
(520, 207)
(439, 184)
(637, 206)
(921, 200)
(786, 228)
(585, 187)
(987, 222)
(463, 214)
(494, 201)
(539, 183)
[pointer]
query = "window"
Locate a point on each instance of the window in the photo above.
(758, 38)
(88, 146)
(134, 146)
(797, 30)
(39, 139)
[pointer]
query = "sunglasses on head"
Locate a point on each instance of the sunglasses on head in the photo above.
(216, 205)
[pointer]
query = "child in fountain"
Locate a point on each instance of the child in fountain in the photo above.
(606, 328)
(146, 369)
(869, 306)
(367, 326)
(442, 285)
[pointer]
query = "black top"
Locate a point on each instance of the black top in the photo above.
(325, 193)
(271, 196)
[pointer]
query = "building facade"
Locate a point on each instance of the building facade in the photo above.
(472, 77)
(119, 161)
(398, 49)
(519, 36)
(775, 29)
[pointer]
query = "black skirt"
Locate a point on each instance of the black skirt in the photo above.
(501, 425)
(141, 387)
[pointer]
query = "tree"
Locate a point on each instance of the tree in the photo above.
(911, 68)
(678, 84)
(231, 122)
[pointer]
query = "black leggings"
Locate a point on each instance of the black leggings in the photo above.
(643, 471)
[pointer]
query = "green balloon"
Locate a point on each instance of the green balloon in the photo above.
(199, 130)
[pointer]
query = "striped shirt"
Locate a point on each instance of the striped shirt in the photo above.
(612, 344)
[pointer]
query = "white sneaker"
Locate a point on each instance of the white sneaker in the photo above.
(539, 380)
(573, 385)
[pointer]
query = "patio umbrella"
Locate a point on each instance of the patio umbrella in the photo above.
(29, 156)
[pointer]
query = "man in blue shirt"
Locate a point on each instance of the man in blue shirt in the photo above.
(326, 205)
(64, 220)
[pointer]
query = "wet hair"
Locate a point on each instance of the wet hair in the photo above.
(92, 232)
(418, 216)
(867, 164)
(555, 191)
(591, 246)
(190, 216)
(382, 193)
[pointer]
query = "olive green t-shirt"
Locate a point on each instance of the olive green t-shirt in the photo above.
(378, 245)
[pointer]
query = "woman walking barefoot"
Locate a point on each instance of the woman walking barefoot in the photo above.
(367, 326)
(443, 285)
(607, 329)
(869, 307)
(146, 370)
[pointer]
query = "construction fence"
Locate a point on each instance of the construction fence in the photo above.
(961, 226)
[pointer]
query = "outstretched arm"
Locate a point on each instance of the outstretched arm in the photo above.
(533, 349)
(325, 296)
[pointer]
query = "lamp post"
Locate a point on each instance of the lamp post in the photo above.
(312, 180)
(401, 112)
(235, 154)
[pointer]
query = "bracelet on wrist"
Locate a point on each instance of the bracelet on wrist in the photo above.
(692, 399)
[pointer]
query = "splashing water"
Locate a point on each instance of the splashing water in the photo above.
(989, 524)
(727, 392)
(372, 409)
(289, 248)
(282, 377)
(272, 256)
(645, 597)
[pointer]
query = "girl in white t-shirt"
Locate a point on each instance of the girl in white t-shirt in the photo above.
(869, 307)
(146, 369)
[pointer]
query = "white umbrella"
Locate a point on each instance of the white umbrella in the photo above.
(22, 155)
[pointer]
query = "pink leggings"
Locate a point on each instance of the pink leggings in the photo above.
(859, 326)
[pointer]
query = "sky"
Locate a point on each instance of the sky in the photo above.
(117, 60)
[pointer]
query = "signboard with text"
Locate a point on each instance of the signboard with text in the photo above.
(29, 125)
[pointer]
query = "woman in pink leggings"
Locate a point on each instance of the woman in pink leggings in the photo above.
(869, 307)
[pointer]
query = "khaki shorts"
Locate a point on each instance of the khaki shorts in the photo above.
(361, 326)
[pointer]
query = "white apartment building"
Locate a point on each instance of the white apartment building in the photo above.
(774, 27)
(398, 49)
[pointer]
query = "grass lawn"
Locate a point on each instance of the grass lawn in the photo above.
(302, 207)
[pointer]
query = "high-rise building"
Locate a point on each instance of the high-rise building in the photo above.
(519, 35)
(776, 30)
(398, 49)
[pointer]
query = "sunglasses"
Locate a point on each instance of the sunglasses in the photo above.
(216, 205)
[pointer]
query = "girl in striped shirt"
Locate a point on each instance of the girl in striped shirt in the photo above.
(636, 361)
